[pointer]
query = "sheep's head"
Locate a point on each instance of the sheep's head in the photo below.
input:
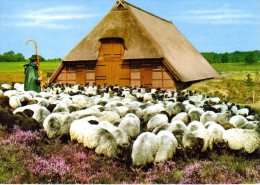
(191, 142)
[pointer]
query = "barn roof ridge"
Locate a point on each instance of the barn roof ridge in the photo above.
(148, 12)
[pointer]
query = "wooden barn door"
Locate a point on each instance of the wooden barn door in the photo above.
(108, 67)
(146, 76)
(80, 74)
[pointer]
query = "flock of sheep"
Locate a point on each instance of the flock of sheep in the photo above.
(150, 124)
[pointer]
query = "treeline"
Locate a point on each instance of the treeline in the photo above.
(237, 56)
(11, 56)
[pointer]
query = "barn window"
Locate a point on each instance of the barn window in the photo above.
(90, 67)
(71, 68)
(135, 66)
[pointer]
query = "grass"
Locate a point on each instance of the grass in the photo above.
(226, 67)
(14, 71)
(229, 85)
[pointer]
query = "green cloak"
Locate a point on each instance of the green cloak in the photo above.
(31, 82)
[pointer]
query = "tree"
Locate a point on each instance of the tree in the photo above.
(19, 57)
(251, 58)
(225, 58)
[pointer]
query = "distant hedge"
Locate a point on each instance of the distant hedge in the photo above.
(212, 57)
(237, 56)
(11, 56)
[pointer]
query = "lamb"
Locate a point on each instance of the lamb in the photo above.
(167, 146)
(156, 121)
(243, 139)
(131, 125)
(238, 121)
(208, 116)
(57, 124)
(144, 150)
(119, 134)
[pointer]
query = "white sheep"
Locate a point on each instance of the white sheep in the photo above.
(216, 132)
(78, 126)
(39, 112)
(109, 116)
(243, 139)
(10, 93)
(167, 144)
(40, 101)
(61, 107)
(195, 114)
(121, 110)
(238, 121)
(80, 100)
(183, 116)
(196, 136)
(85, 113)
(131, 125)
(119, 134)
(208, 116)
(144, 150)
(19, 87)
(151, 111)
(57, 124)
(100, 139)
(156, 121)
(6, 87)
(14, 102)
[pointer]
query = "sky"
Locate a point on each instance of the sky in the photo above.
(58, 25)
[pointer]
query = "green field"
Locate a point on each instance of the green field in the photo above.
(14, 71)
(230, 85)
(225, 67)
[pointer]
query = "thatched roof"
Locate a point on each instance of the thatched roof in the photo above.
(146, 36)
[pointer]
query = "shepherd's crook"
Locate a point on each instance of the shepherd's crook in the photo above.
(37, 58)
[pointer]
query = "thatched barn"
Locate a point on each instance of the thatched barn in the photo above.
(132, 47)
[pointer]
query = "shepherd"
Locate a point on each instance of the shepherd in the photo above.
(33, 77)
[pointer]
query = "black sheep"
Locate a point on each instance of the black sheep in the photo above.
(4, 102)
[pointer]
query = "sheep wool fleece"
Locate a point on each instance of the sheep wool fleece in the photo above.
(31, 82)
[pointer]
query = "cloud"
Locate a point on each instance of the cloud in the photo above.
(219, 16)
(50, 18)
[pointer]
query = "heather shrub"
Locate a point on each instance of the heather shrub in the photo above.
(192, 174)
(52, 169)
(22, 137)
